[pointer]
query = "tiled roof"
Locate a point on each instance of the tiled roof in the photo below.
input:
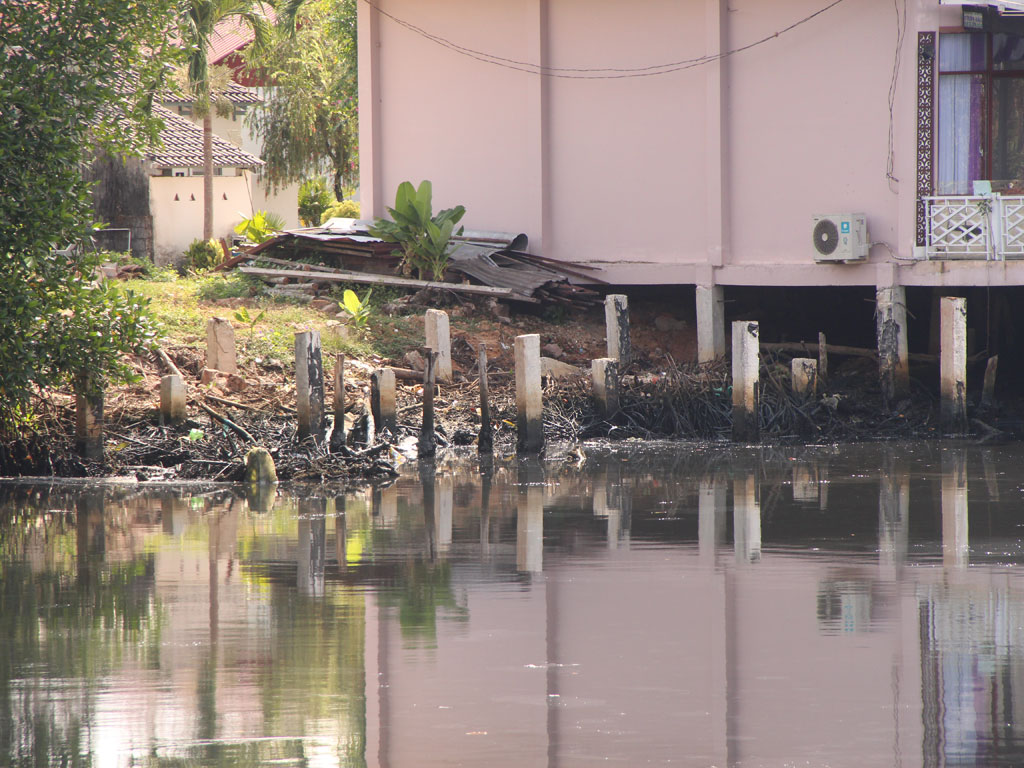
(235, 93)
(232, 35)
(183, 146)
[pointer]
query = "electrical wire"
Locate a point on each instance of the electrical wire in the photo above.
(901, 32)
(593, 73)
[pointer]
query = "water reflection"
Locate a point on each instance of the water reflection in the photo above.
(815, 606)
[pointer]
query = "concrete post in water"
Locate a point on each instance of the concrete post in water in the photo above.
(988, 390)
(710, 323)
(955, 553)
(438, 335)
(485, 440)
(953, 363)
(746, 520)
(382, 400)
(616, 318)
(891, 328)
(220, 345)
(529, 401)
(746, 363)
(427, 446)
(338, 433)
(805, 376)
(309, 385)
(172, 398)
(605, 374)
(88, 419)
(822, 359)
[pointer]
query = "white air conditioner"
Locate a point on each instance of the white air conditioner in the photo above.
(840, 237)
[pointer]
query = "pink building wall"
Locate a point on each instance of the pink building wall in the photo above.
(709, 174)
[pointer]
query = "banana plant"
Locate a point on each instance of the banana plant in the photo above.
(425, 239)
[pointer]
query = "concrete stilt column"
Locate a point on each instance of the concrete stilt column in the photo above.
(955, 546)
(438, 337)
(710, 323)
(220, 345)
(89, 421)
(172, 397)
(309, 385)
(804, 376)
(529, 402)
(953, 363)
(891, 328)
(616, 318)
(746, 364)
(382, 400)
(605, 374)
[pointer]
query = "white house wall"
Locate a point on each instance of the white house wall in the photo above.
(176, 223)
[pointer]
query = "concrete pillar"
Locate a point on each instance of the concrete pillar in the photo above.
(220, 345)
(89, 421)
(605, 374)
(529, 401)
(746, 525)
(438, 337)
(711, 522)
(746, 363)
(382, 400)
(616, 319)
(172, 397)
(953, 363)
(710, 323)
(955, 553)
(891, 329)
(309, 385)
(805, 376)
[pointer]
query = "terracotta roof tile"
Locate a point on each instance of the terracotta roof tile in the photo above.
(183, 146)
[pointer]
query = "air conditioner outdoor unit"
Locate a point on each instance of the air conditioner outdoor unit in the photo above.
(840, 237)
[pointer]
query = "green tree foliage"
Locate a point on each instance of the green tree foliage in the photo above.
(58, 101)
(314, 199)
(309, 119)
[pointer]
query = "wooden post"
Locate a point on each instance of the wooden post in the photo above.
(338, 433)
(891, 328)
(822, 359)
(382, 400)
(745, 372)
(309, 386)
(88, 420)
(805, 376)
(485, 440)
(953, 363)
(988, 391)
(616, 318)
(605, 374)
(710, 323)
(172, 398)
(220, 345)
(438, 335)
(529, 400)
(427, 446)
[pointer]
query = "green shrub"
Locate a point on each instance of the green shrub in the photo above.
(345, 209)
(260, 227)
(314, 199)
(203, 255)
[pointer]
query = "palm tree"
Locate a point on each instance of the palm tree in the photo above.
(199, 18)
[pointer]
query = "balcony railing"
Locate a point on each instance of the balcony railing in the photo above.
(989, 227)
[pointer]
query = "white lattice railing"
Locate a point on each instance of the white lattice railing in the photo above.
(975, 227)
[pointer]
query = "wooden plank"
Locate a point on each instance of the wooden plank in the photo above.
(363, 277)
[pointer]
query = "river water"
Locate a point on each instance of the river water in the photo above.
(670, 605)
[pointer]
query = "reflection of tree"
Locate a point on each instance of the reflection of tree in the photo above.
(424, 588)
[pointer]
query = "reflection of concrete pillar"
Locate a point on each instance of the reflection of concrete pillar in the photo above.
(805, 483)
(954, 510)
(312, 549)
(607, 503)
(173, 515)
(893, 512)
(445, 510)
(340, 533)
(746, 520)
(530, 517)
(710, 517)
(91, 534)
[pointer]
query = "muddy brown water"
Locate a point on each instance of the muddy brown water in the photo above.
(669, 605)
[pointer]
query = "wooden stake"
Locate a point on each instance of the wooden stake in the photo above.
(616, 318)
(309, 386)
(338, 433)
(427, 445)
(822, 359)
(988, 391)
(485, 440)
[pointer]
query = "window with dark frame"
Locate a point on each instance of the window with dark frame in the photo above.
(980, 116)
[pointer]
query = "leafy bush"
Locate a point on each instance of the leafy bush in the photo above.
(203, 255)
(358, 309)
(344, 209)
(425, 238)
(314, 199)
(259, 228)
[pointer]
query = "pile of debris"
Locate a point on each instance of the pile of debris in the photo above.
(490, 263)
